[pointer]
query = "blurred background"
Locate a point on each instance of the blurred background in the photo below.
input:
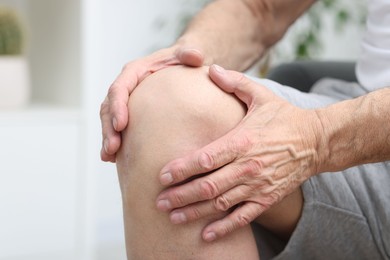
(57, 199)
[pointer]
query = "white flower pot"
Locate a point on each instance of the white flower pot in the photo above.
(14, 82)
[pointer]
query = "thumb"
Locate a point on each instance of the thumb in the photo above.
(237, 83)
(190, 57)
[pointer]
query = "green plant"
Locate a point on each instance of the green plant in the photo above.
(303, 40)
(307, 40)
(11, 33)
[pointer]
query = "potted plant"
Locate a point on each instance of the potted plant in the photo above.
(14, 70)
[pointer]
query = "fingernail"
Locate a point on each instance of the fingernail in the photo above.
(178, 218)
(166, 178)
(105, 145)
(193, 50)
(219, 69)
(115, 123)
(164, 205)
(210, 236)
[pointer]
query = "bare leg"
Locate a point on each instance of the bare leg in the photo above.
(282, 218)
(173, 112)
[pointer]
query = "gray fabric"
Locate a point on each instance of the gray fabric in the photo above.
(303, 75)
(346, 214)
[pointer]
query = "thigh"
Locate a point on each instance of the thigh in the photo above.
(347, 211)
(283, 217)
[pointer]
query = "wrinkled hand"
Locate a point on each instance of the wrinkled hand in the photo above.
(113, 110)
(254, 166)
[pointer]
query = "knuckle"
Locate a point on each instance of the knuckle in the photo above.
(253, 167)
(240, 143)
(194, 213)
(206, 161)
(266, 204)
(222, 203)
(112, 89)
(208, 189)
(104, 108)
(275, 197)
(226, 229)
(270, 181)
(242, 220)
(177, 197)
(178, 170)
(237, 172)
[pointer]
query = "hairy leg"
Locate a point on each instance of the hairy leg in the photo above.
(173, 112)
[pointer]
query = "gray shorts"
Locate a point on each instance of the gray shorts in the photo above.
(346, 215)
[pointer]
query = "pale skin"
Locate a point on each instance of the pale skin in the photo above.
(290, 146)
(174, 112)
(214, 36)
(330, 147)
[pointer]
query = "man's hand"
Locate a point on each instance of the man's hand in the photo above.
(113, 111)
(254, 166)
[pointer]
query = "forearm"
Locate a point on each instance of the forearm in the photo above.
(355, 131)
(236, 33)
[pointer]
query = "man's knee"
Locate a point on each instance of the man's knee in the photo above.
(172, 112)
(188, 99)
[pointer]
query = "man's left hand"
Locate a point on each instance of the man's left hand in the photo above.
(268, 155)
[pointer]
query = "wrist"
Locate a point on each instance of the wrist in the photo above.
(322, 133)
(355, 132)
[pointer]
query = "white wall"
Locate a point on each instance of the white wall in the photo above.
(115, 32)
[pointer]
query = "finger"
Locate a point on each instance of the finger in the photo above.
(205, 188)
(212, 207)
(240, 217)
(118, 96)
(209, 158)
(111, 138)
(107, 157)
(190, 57)
(233, 197)
(193, 212)
(235, 82)
(114, 111)
(109, 147)
(224, 181)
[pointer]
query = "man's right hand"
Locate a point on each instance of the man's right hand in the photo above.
(113, 110)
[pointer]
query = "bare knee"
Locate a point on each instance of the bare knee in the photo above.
(188, 97)
(171, 113)
(178, 109)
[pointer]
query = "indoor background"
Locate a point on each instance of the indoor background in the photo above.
(57, 199)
